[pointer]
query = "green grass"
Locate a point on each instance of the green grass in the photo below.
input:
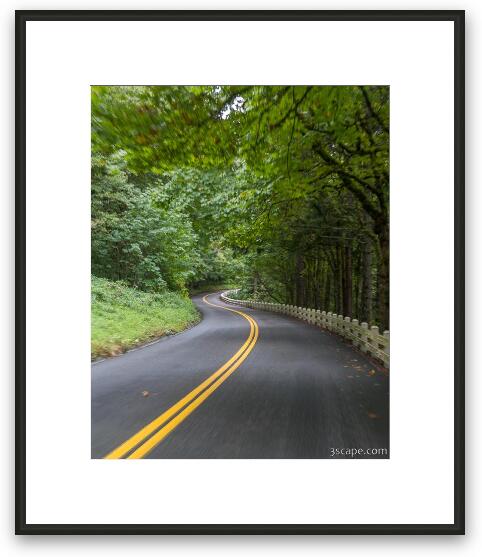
(123, 317)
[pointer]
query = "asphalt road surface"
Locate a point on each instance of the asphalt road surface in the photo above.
(241, 384)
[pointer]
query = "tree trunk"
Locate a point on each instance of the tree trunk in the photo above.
(347, 282)
(308, 283)
(384, 281)
(366, 287)
(320, 283)
(300, 282)
(339, 281)
(326, 304)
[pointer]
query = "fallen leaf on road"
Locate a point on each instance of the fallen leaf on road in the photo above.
(372, 372)
(372, 415)
(145, 393)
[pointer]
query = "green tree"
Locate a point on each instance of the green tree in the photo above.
(284, 189)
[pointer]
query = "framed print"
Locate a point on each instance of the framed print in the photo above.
(240, 271)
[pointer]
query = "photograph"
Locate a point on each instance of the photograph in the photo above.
(221, 218)
(240, 288)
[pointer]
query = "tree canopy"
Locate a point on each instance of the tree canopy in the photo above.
(283, 190)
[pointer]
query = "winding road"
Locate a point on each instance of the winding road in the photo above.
(242, 383)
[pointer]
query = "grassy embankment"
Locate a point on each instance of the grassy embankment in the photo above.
(124, 317)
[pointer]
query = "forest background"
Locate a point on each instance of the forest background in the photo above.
(280, 191)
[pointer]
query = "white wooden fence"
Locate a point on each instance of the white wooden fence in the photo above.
(367, 339)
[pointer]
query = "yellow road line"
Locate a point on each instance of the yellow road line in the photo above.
(147, 430)
(163, 432)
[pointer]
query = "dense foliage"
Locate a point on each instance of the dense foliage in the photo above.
(281, 190)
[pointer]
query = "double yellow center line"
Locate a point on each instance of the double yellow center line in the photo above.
(142, 442)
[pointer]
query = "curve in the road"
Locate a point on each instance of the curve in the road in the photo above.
(142, 442)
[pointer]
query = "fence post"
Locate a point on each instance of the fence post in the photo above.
(373, 333)
(386, 349)
(355, 330)
(312, 316)
(318, 318)
(364, 337)
(346, 327)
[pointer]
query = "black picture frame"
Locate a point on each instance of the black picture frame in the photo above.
(22, 17)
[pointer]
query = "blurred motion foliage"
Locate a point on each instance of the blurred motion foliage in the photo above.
(282, 190)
